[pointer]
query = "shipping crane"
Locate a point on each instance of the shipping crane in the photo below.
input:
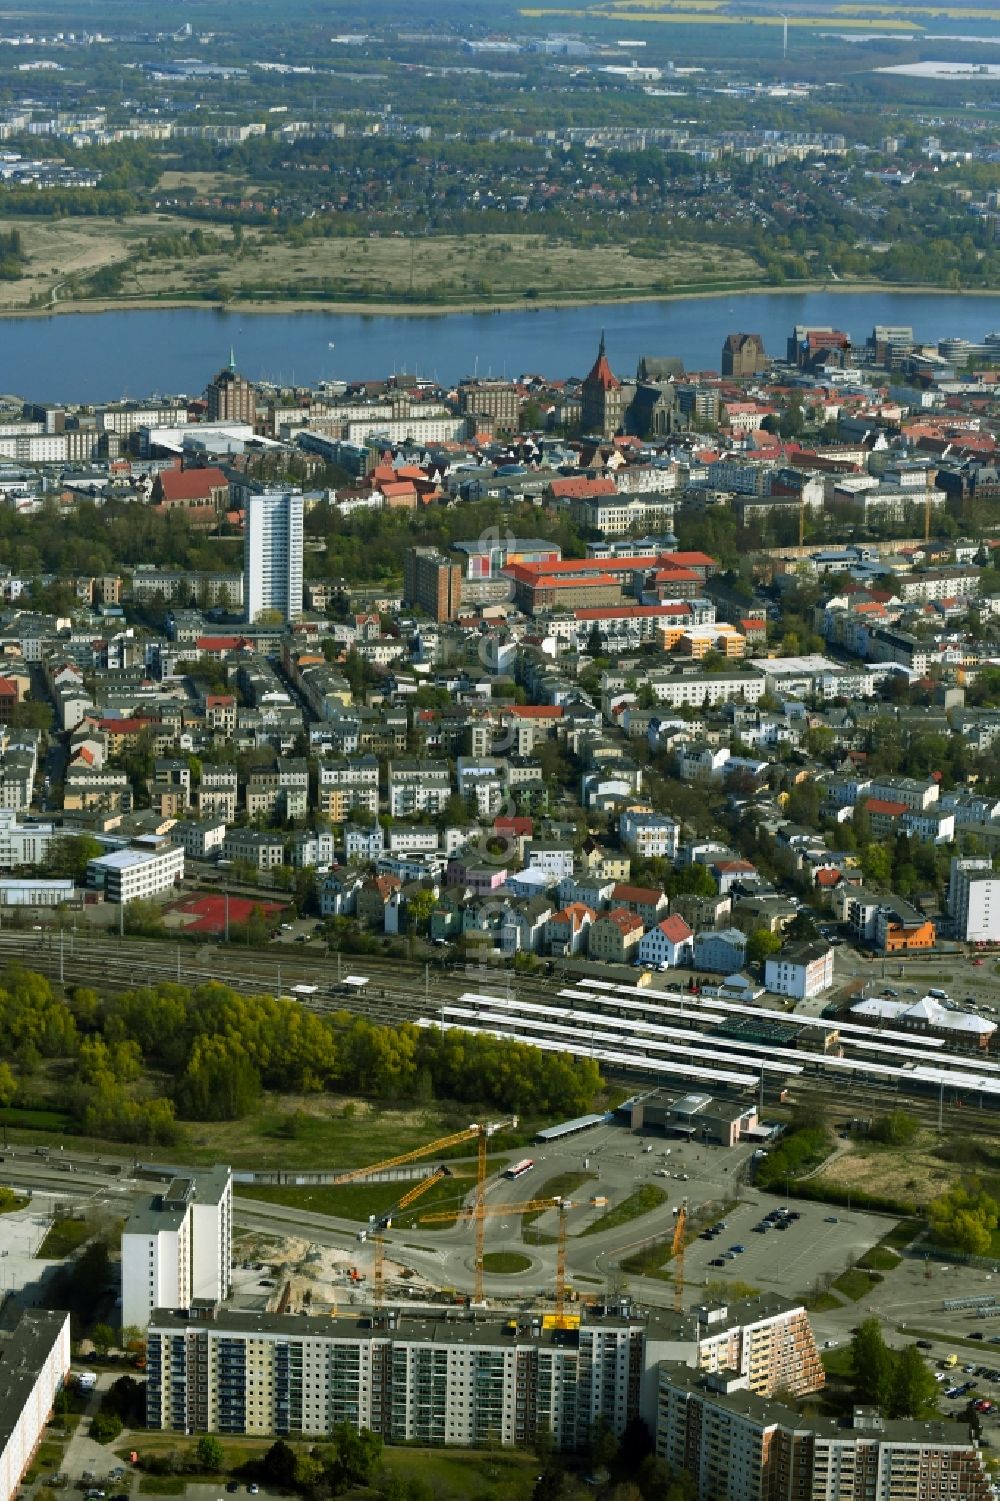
(531, 1206)
(680, 1226)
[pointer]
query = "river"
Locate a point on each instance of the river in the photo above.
(94, 357)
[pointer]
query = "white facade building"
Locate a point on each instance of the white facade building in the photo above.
(136, 874)
(272, 554)
(974, 900)
(800, 970)
(35, 1356)
(179, 1247)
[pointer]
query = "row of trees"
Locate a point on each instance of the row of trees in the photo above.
(219, 1049)
(898, 1382)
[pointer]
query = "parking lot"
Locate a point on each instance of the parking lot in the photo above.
(820, 1242)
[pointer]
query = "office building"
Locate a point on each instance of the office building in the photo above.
(423, 1378)
(137, 874)
(231, 397)
(738, 1445)
(35, 1359)
(432, 583)
(272, 554)
(178, 1248)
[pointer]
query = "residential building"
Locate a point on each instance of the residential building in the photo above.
(670, 942)
(253, 847)
(217, 793)
(565, 932)
(646, 902)
(35, 1357)
(137, 874)
(739, 1445)
(901, 929)
(436, 1380)
(653, 836)
(418, 787)
(614, 936)
(800, 970)
(272, 554)
(347, 784)
(432, 583)
(723, 950)
(198, 838)
(974, 900)
(178, 1247)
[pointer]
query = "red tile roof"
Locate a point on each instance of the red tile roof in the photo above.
(674, 928)
(191, 484)
(882, 805)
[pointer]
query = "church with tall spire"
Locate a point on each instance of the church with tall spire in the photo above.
(603, 399)
(230, 396)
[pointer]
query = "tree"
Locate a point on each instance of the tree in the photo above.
(209, 1453)
(964, 1219)
(872, 1365)
(278, 1465)
(761, 944)
(419, 908)
(897, 1129)
(914, 1389)
(103, 1337)
(105, 1427)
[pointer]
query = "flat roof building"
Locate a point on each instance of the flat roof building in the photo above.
(34, 1364)
(177, 1248)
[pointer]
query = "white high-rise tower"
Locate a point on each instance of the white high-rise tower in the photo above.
(272, 554)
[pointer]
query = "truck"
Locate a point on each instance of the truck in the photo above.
(949, 1362)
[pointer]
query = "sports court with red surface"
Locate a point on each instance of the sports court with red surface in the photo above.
(207, 914)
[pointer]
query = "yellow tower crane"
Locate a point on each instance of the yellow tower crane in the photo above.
(480, 1213)
(481, 1132)
(680, 1226)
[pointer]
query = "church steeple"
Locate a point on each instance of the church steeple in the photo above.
(602, 399)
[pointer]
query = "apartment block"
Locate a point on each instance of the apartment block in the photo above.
(418, 787)
(418, 1377)
(178, 1248)
(346, 784)
(217, 793)
(35, 1357)
(431, 582)
(974, 899)
(736, 1444)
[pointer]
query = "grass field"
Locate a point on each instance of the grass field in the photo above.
(453, 1475)
(562, 1186)
(357, 1201)
(643, 1201)
(505, 1263)
(63, 1237)
(854, 1283)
